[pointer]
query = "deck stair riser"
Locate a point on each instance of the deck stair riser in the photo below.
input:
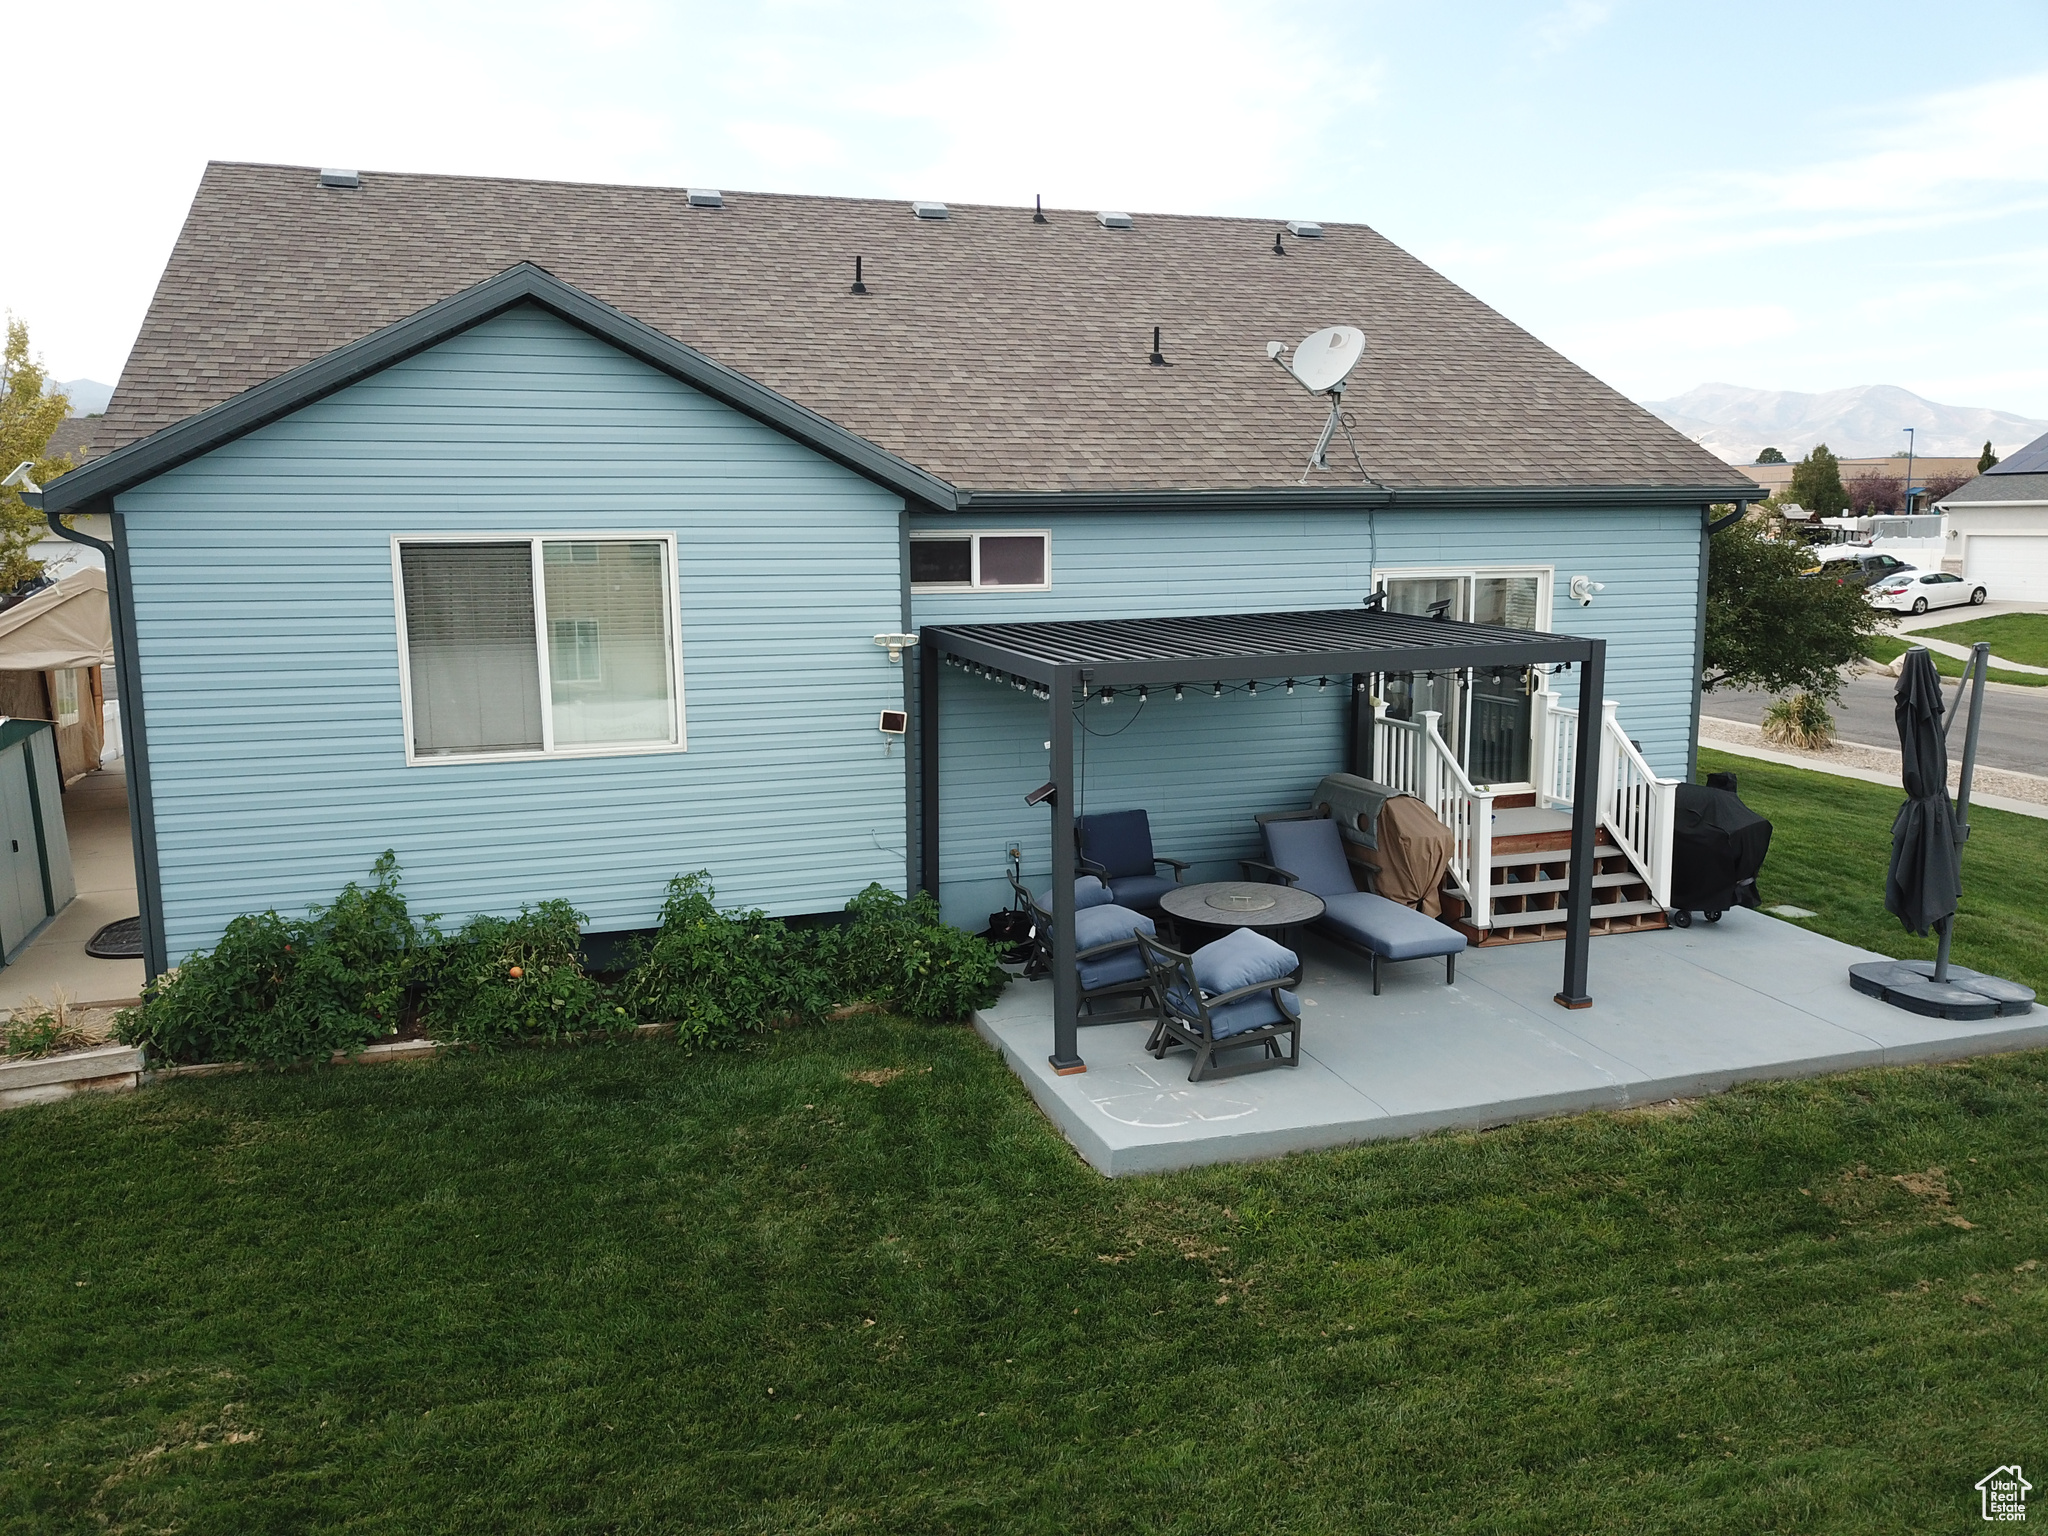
(1531, 884)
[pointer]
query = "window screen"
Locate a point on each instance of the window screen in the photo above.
(608, 652)
(1008, 561)
(469, 641)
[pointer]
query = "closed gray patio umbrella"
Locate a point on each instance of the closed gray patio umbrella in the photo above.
(1926, 875)
(1925, 881)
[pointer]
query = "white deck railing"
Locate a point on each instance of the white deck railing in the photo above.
(1636, 807)
(1413, 755)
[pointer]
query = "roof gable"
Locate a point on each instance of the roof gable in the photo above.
(276, 398)
(995, 354)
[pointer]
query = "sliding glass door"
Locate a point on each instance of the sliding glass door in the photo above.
(1485, 713)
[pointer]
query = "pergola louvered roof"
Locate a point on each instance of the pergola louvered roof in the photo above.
(1198, 647)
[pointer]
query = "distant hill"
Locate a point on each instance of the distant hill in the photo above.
(1735, 423)
(89, 397)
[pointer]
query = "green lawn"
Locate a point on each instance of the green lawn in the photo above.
(2020, 637)
(850, 1280)
(633, 1289)
(1831, 843)
(1887, 648)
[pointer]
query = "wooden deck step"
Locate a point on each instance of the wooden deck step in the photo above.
(1510, 888)
(1555, 915)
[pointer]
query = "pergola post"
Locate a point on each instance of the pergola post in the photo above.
(1066, 976)
(928, 765)
(1578, 929)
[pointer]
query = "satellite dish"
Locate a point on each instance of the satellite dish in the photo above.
(1321, 365)
(1324, 361)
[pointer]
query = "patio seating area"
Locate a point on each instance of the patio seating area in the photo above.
(1678, 1012)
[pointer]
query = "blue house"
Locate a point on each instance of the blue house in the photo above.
(565, 538)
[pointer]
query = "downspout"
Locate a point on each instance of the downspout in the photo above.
(913, 743)
(134, 748)
(1708, 528)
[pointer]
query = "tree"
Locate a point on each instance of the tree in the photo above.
(27, 418)
(1817, 483)
(1770, 456)
(1770, 627)
(1872, 492)
(1986, 459)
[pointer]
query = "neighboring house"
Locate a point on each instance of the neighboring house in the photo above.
(544, 533)
(1998, 527)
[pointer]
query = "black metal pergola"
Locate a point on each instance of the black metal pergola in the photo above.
(1064, 662)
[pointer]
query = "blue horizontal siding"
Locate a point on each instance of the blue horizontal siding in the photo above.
(1203, 767)
(266, 625)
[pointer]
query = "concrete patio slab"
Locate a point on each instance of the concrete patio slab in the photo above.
(1675, 1014)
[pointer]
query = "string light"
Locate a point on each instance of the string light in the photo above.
(1254, 689)
(1219, 690)
(1322, 683)
(1176, 693)
(1290, 687)
(1143, 694)
(1108, 695)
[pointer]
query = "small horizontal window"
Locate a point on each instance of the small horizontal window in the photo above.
(975, 562)
(527, 647)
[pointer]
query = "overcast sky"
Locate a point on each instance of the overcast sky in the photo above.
(1784, 195)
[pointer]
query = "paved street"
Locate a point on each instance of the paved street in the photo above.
(2015, 734)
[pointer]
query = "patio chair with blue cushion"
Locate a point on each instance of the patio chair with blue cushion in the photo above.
(1116, 846)
(1226, 996)
(1108, 960)
(1308, 853)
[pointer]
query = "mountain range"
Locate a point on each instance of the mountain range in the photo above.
(89, 397)
(1867, 421)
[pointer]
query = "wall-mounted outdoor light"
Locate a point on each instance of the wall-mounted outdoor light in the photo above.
(897, 645)
(1583, 588)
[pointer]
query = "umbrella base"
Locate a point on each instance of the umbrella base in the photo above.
(1967, 994)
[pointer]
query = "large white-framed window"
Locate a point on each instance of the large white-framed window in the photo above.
(523, 646)
(1486, 715)
(981, 560)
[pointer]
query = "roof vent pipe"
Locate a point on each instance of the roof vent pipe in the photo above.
(1278, 248)
(1158, 357)
(1038, 208)
(858, 285)
(329, 178)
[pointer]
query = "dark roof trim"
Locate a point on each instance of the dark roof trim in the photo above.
(524, 284)
(1349, 497)
(1231, 646)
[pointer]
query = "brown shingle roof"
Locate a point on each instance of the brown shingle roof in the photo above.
(998, 354)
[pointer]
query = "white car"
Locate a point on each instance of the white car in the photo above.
(1916, 591)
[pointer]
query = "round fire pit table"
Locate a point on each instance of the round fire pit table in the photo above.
(1241, 904)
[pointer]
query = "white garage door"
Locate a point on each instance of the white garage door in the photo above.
(2012, 566)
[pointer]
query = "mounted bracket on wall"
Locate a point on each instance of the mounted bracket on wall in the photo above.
(897, 645)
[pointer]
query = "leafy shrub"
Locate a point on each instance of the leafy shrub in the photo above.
(1799, 721)
(898, 952)
(279, 989)
(501, 978)
(716, 975)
